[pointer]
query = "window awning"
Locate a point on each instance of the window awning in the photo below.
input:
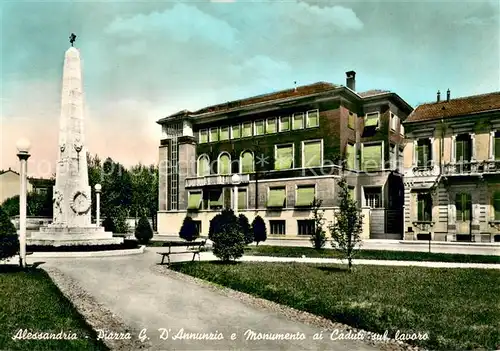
(242, 199)
(276, 198)
(194, 201)
(312, 154)
(371, 121)
(216, 199)
(305, 196)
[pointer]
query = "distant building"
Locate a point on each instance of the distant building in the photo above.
(10, 184)
(287, 148)
(452, 163)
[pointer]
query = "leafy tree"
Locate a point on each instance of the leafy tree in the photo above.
(245, 228)
(11, 206)
(226, 235)
(346, 229)
(144, 186)
(318, 237)
(37, 204)
(120, 220)
(9, 242)
(143, 231)
(259, 229)
(189, 231)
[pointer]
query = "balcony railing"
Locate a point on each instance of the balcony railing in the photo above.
(472, 167)
(423, 171)
(215, 179)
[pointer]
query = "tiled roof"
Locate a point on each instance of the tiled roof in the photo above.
(283, 94)
(8, 170)
(373, 92)
(456, 107)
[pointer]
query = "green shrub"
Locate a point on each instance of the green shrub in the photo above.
(189, 230)
(259, 229)
(109, 225)
(245, 228)
(121, 224)
(9, 242)
(227, 236)
(143, 231)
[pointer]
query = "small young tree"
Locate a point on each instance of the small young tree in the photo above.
(346, 229)
(9, 243)
(109, 224)
(143, 231)
(120, 220)
(259, 229)
(318, 237)
(189, 231)
(245, 228)
(226, 235)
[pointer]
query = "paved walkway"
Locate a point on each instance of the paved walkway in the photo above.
(132, 289)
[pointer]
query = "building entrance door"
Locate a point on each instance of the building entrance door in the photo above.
(463, 203)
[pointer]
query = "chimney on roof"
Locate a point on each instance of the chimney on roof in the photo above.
(350, 80)
(438, 96)
(448, 95)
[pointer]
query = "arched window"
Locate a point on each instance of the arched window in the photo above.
(224, 164)
(246, 162)
(496, 205)
(203, 166)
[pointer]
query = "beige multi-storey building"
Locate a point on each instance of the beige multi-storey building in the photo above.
(273, 154)
(452, 170)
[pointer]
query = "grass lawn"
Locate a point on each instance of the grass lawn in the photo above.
(30, 300)
(458, 308)
(294, 251)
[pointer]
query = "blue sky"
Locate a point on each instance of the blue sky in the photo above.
(144, 60)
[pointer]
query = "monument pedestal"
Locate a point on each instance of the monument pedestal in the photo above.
(56, 235)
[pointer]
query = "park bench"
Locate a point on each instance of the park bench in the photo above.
(193, 247)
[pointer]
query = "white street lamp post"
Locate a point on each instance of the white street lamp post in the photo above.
(98, 188)
(235, 179)
(23, 146)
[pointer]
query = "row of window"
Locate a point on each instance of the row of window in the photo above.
(463, 205)
(372, 119)
(216, 199)
(284, 156)
(297, 121)
(278, 227)
(462, 150)
(372, 156)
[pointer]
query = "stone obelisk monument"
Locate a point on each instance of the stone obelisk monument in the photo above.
(72, 224)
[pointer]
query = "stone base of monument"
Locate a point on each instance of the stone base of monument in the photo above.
(53, 235)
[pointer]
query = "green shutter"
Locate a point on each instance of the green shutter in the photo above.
(216, 199)
(298, 121)
(351, 121)
(468, 206)
(350, 156)
(276, 197)
(312, 154)
(203, 166)
(284, 157)
(420, 206)
(372, 157)
(305, 196)
(224, 133)
(214, 134)
(460, 154)
(284, 124)
(371, 120)
(496, 205)
(242, 199)
(497, 148)
(467, 150)
(259, 127)
(271, 126)
(203, 136)
(194, 201)
(312, 119)
(235, 132)
(428, 208)
(247, 162)
(224, 165)
(247, 130)
(351, 193)
(458, 206)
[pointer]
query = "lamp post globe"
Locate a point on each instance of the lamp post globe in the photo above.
(98, 188)
(23, 146)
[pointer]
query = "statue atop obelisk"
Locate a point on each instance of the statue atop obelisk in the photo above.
(72, 222)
